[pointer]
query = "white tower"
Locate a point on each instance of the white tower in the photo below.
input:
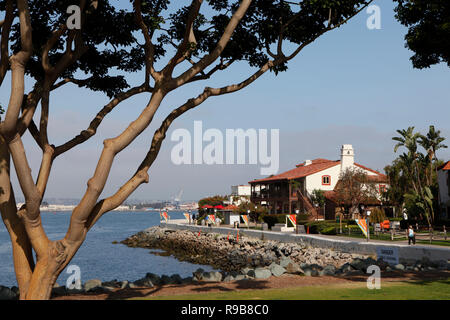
(347, 157)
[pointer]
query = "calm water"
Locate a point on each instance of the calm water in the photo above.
(98, 258)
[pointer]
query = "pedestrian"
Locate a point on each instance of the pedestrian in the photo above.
(411, 235)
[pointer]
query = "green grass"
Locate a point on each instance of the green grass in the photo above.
(417, 290)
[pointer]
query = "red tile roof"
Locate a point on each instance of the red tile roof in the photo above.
(317, 165)
(445, 166)
(302, 170)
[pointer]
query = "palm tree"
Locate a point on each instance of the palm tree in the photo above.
(408, 139)
(431, 143)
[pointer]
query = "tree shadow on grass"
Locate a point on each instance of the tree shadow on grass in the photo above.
(415, 277)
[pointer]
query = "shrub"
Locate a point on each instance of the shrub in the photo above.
(377, 215)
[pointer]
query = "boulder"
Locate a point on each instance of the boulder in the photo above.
(240, 277)
(198, 274)
(144, 282)
(228, 278)
(7, 294)
(177, 278)
(186, 280)
(262, 273)
(293, 268)
(59, 291)
(91, 284)
(399, 267)
(124, 284)
(329, 270)
(285, 261)
(358, 264)
(212, 276)
(165, 279)
(154, 278)
(277, 270)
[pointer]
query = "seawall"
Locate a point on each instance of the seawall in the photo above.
(405, 252)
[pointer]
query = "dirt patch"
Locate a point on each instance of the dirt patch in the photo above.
(285, 281)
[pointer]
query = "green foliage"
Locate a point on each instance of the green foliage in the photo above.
(377, 215)
(413, 175)
(318, 198)
(428, 23)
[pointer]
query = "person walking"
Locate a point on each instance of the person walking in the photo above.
(411, 235)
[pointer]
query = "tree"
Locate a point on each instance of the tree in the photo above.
(253, 210)
(428, 32)
(318, 198)
(170, 50)
(354, 188)
(415, 173)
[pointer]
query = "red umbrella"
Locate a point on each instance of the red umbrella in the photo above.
(219, 206)
(207, 206)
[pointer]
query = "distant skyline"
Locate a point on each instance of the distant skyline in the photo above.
(352, 86)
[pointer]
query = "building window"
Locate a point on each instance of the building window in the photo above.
(382, 188)
(326, 180)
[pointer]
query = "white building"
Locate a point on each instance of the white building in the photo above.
(239, 194)
(444, 189)
(277, 192)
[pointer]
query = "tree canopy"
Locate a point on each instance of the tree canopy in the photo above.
(428, 23)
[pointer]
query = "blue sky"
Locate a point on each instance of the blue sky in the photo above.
(352, 86)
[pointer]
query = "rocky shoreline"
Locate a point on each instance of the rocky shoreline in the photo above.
(230, 254)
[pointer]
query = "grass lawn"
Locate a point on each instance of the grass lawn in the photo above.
(413, 290)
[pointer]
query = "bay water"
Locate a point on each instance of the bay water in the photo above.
(99, 257)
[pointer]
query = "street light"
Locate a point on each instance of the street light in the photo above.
(368, 226)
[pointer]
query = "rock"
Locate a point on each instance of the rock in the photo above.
(124, 284)
(165, 279)
(277, 270)
(112, 284)
(59, 291)
(388, 269)
(285, 261)
(399, 267)
(186, 280)
(154, 278)
(329, 270)
(144, 282)
(346, 267)
(16, 291)
(245, 271)
(310, 272)
(212, 276)
(91, 284)
(101, 289)
(293, 268)
(198, 274)
(251, 273)
(228, 278)
(240, 277)
(358, 264)
(177, 278)
(262, 273)
(7, 294)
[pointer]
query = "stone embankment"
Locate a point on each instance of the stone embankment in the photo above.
(228, 253)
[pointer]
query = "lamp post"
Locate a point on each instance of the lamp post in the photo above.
(368, 226)
(316, 205)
